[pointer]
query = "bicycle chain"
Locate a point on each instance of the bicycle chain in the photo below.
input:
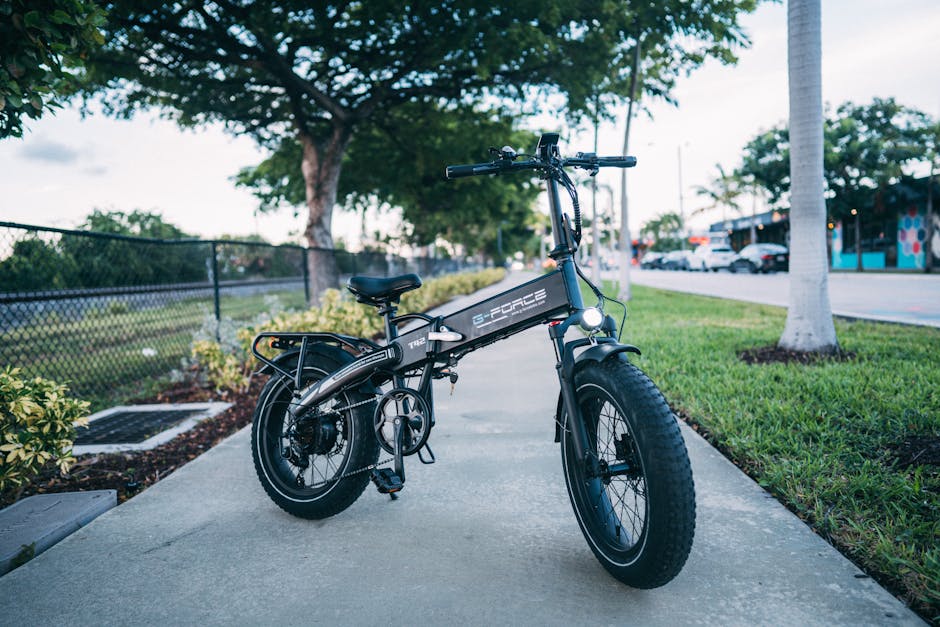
(337, 410)
(352, 472)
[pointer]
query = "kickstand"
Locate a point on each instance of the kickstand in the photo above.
(431, 459)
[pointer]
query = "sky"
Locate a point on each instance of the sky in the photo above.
(67, 165)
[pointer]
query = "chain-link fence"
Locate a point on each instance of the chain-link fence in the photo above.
(107, 314)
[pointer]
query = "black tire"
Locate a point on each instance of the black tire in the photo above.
(616, 398)
(354, 447)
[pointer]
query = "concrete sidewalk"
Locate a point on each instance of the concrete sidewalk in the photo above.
(485, 536)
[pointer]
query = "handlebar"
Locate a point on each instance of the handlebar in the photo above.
(587, 161)
(490, 167)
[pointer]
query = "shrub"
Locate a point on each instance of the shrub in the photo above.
(37, 422)
(338, 313)
(223, 371)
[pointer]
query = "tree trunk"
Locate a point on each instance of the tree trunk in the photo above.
(753, 218)
(595, 220)
(809, 324)
(321, 164)
(931, 227)
(858, 241)
(626, 243)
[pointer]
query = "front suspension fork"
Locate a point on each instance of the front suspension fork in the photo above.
(564, 352)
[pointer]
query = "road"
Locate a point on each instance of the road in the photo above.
(907, 298)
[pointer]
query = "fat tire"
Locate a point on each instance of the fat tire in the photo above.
(363, 447)
(665, 539)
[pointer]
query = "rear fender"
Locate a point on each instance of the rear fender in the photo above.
(288, 361)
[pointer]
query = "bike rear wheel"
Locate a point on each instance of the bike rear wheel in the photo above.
(638, 516)
(304, 465)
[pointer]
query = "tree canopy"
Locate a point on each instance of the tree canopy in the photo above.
(147, 251)
(665, 230)
(866, 149)
(39, 41)
(398, 161)
(320, 73)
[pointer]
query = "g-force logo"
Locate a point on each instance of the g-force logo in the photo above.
(512, 308)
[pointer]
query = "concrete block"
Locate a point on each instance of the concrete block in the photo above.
(42, 520)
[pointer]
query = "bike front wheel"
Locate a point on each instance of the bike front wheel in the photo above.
(638, 512)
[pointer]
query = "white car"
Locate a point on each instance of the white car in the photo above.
(712, 257)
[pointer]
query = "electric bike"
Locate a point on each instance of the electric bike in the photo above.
(334, 401)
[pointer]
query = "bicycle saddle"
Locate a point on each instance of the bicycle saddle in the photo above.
(373, 290)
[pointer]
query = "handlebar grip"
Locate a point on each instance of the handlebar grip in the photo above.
(616, 162)
(473, 169)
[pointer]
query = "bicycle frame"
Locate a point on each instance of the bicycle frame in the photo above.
(554, 298)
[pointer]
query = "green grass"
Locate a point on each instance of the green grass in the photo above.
(101, 356)
(820, 437)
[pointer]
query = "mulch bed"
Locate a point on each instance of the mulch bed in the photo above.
(777, 355)
(917, 450)
(130, 472)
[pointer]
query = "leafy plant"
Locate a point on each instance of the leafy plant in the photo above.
(37, 422)
(337, 313)
(40, 40)
(224, 371)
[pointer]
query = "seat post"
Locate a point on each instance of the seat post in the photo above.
(388, 311)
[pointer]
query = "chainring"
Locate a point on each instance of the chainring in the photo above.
(412, 410)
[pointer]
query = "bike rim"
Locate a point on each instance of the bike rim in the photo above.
(322, 471)
(616, 507)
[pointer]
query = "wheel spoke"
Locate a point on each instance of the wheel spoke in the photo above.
(618, 502)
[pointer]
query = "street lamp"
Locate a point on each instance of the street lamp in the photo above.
(683, 231)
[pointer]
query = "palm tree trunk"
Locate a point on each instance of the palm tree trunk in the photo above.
(626, 242)
(809, 324)
(928, 243)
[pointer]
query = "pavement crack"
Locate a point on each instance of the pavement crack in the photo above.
(174, 539)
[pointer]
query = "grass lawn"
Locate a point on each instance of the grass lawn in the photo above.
(832, 440)
(106, 357)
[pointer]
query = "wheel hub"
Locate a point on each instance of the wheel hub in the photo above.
(317, 435)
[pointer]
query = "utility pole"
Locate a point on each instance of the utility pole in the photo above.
(595, 227)
(681, 199)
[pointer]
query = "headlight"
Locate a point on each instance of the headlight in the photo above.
(592, 318)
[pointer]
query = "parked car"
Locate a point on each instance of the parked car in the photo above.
(712, 257)
(677, 260)
(652, 261)
(762, 258)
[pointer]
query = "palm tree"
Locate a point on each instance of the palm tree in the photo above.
(722, 193)
(809, 326)
(665, 229)
(626, 242)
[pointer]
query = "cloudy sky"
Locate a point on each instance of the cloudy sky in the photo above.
(66, 166)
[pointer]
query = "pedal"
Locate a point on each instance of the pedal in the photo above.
(386, 481)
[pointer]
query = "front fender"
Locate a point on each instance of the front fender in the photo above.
(598, 353)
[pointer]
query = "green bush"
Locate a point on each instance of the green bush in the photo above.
(337, 313)
(37, 423)
(223, 371)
